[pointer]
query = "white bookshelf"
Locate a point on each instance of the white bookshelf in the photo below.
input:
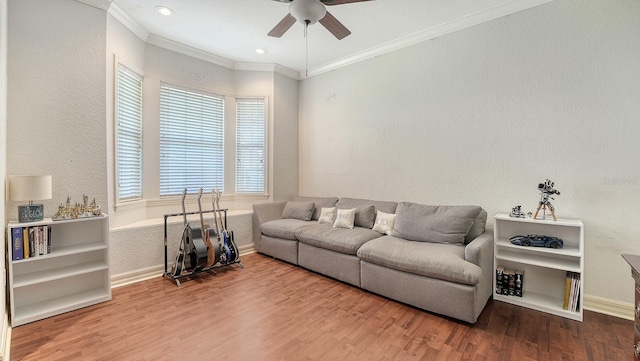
(544, 268)
(73, 275)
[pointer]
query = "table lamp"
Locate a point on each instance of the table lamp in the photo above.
(29, 188)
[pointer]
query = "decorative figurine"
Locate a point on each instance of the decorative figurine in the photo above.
(546, 191)
(517, 212)
(84, 210)
(537, 241)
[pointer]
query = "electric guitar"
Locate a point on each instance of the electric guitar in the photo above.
(196, 249)
(225, 252)
(179, 263)
(206, 236)
(228, 236)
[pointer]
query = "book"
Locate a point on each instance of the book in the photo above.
(25, 237)
(511, 279)
(499, 275)
(567, 291)
(17, 243)
(519, 283)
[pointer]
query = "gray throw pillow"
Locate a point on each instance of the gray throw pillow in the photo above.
(298, 210)
(437, 224)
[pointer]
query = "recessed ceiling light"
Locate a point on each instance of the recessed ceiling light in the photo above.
(164, 10)
(260, 51)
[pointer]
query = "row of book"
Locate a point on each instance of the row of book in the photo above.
(509, 282)
(572, 292)
(30, 241)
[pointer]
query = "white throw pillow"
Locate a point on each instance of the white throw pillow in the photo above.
(345, 218)
(384, 222)
(327, 215)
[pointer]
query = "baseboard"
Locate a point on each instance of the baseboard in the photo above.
(143, 274)
(5, 342)
(609, 307)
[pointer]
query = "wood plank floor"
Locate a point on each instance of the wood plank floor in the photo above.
(271, 310)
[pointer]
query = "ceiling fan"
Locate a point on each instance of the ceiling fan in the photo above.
(309, 12)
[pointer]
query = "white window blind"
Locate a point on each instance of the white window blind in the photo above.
(128, 134)
(250, 145)
(191, 141)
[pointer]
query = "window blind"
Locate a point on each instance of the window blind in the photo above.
(250, 145)
(128, 134)
(191, 141)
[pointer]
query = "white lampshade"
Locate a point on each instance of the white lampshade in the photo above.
(29, 188)
(307, 11)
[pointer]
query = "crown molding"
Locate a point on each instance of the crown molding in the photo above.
(126, 20)
(189, 51)
(100, 4)
(428, 34)
(270, 67)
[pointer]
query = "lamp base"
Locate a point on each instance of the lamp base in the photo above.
(30, 213)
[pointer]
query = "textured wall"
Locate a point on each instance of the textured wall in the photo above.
(3, 147)
(142, 247)
(56, 98)
(285, 138)
(480, 116)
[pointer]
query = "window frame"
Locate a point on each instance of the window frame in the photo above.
(116, 115)
(265, 140)
(222, 117)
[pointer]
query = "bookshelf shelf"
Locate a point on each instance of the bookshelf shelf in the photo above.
(545, 269)
(74, 274)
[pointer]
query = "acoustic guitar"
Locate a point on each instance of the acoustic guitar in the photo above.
(196, 249)
(179, 263)
(206, 237)
(229, 241)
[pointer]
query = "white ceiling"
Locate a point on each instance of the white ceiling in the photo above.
(233, 29)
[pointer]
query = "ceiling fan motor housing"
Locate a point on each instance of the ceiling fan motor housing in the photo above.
(307, 11)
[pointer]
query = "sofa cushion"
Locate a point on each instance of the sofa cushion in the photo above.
(437, 224)
(319, 202)
(283, 228)
(441, 261)
(336, 239)
(366, 215)
(298, 210)
(478, 228)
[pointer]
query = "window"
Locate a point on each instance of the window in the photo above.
(128, 134)
(250, 145)
(191, 141)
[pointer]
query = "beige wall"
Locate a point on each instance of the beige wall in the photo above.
(482, 115)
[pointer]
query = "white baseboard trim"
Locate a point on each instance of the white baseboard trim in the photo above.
(5, 342)
(143, 274)
(609, 307)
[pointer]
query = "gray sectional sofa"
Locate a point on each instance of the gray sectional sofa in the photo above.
(438, 258)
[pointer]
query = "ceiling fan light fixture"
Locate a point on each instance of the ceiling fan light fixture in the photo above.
(261, 51)
(307, 11)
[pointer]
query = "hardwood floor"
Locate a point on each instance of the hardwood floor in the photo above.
(271, 310)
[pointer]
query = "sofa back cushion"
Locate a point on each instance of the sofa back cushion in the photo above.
(478, 227)
(366, 209)
(320, 202)
(298, 210)
(437, 224)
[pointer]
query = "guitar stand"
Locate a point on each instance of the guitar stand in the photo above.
(176, 279)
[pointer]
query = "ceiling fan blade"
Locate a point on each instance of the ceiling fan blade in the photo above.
(340, 2)
(282, 26)
(334, 26)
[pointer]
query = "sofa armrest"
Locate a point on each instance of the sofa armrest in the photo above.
(480, 251)
(264, 212)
